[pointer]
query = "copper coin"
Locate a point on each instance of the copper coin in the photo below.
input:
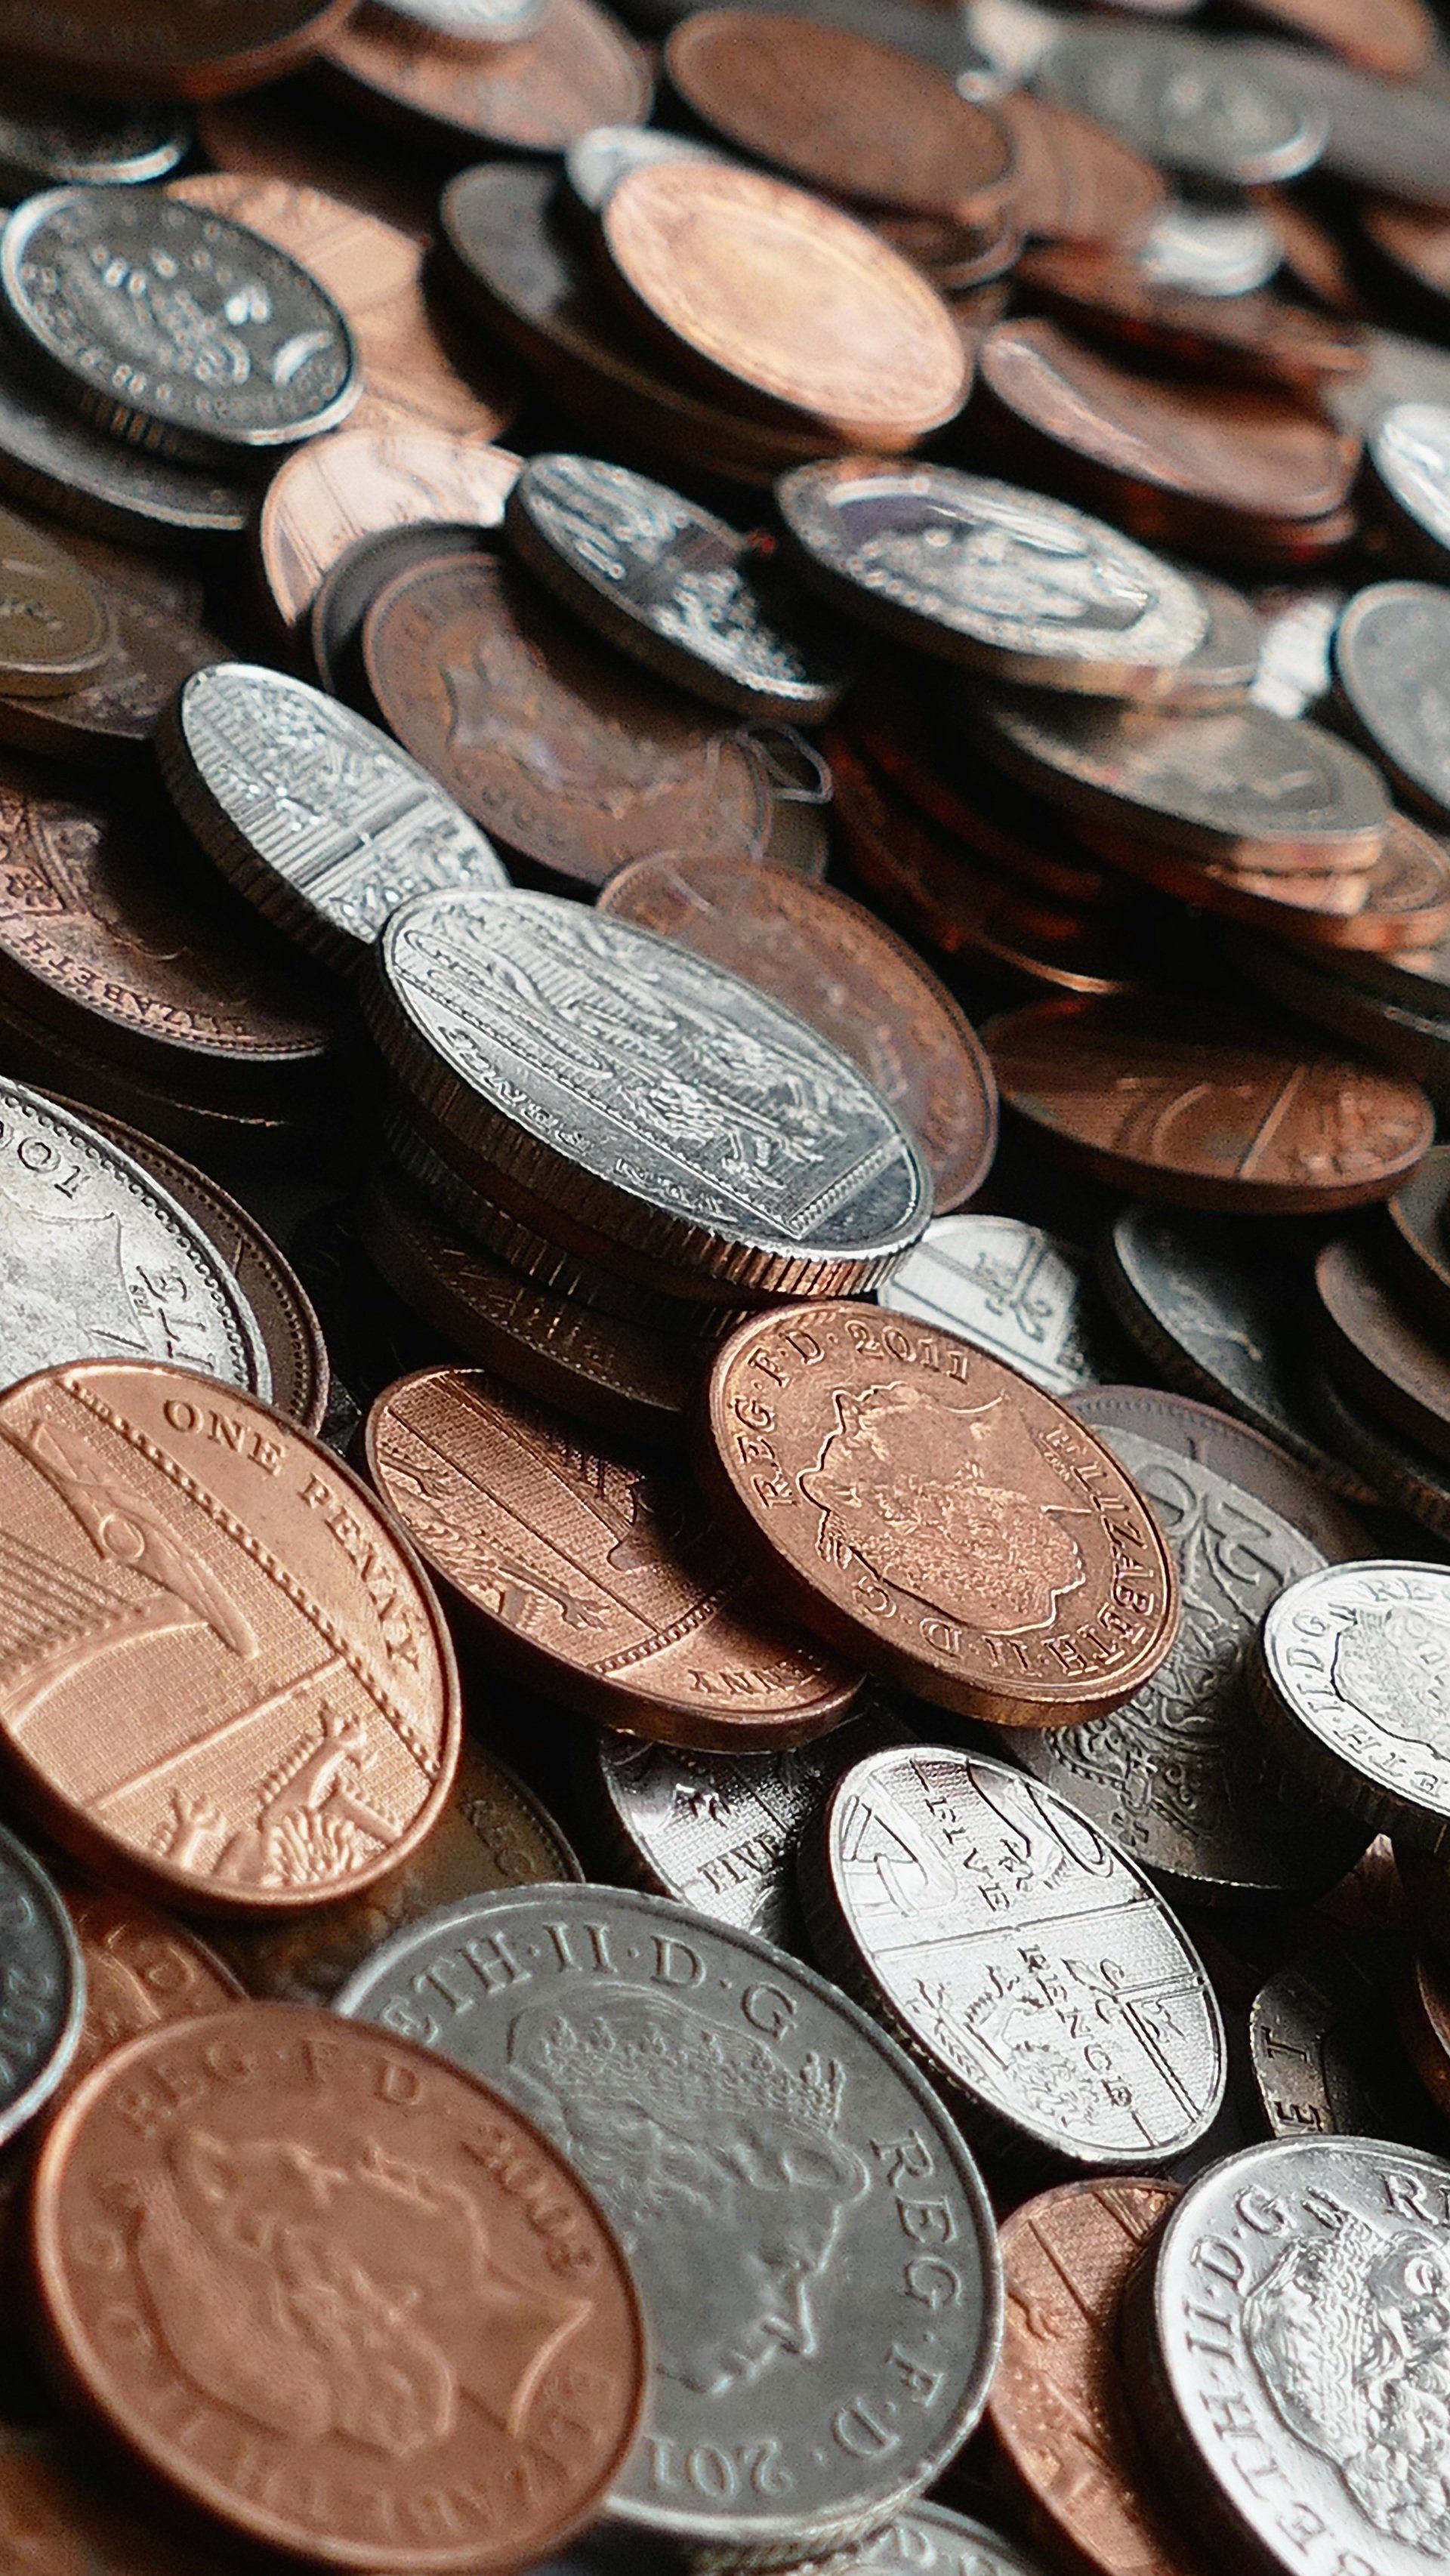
(1007, 1569)
(1056, 2412)
(1424, 2014)
(849, 117)
(1072, 180)
(1374, 913)
(114, 711)
(552, 743)
(622, 1375)
(1237, 454)
(1206, 1118)
(1258, 337)
(54, 624)
(374, 273)
(1407, 898)
(578, 71)
(335, 621)
(493, 1833)
(141, 1970)
(911, 745)
(1386, 1357)
(600, 1581)
(956, 257)
(1394, 37)
(773, 294)
(193, 1122)
(211, 2192)
(98, 939)
(824, 956)
(282, 1726)
(164, 48)
(336, 491)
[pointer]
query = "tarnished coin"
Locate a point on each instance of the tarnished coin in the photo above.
(1256, 338)
(344, 597)
(1388, 135)
(63, 465)
(1407, 453)
(162, 48)
(251, 355)
(1206, 1115)
(1213, 110)
(199, 2169)
(331, 495)
(597, 1578)
(691, 1130)
(1243, 1457)
(1071, 179)
(577, 70)
(1321, 2045)
(1181, 1776)
(926, 1509)
(776, 295)
(42, 1989)
(1390, 650)
(54, 623)
(1353, 1674)
(1386, 1357)
(1002, 580)
(283, 1724)
(319, 820)
(667, 582)
(849, 117)
(1280, 2279)
(723, 1831)
(850, 977)
(1238, 786)
(141, 1969)
(988, 1972)
(112, 712)
(672, 2057)
(1010, 1288)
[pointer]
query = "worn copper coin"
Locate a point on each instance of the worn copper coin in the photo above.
(1072, 180)
(1232, 1451)
(1260, 338)
(1413, 247)
(182, 2256)
(1218, 112)
(1390, 650)
(1352, 1675)
(1321, 2046)
(579, 762)
(908, 740)
(163, 48)
(598, 1579)
(251, 356)
(1010, 1288)
(1056, 2412)
(577, 70)
(283, 1724)
(981, 1969)
(775, 295)
(141, 1970)
(850, 977)
(112, 713)
(493, 1833)
(1425, 2024)
(849, 117)
(42, 1988)
(1387, 1358)
(1208, 1116)
(926, 1509)
(334, 493)
(334, 623)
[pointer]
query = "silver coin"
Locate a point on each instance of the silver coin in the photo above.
(1408, 453)
(1287, 2356)
(1296, 630)
(98, 1261)
(315, 815)
(1216, 110)
(1180, 1776)
(42, 1987)
(668, 583)
(1389, 135)
(929, 2541)
(1009, 1288)
(595, 162)
(50, 143)
(1355, 1675)
(1210, 250)
(173, 327)
(809, 2233)
(1003, 580)
(1029, 1964)
(1324, 2050)
(81, 475)
(1392, 669)
(1397, 369)
(470, 22)
(684, 1121)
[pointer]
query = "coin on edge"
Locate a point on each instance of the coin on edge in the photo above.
(42, 1988)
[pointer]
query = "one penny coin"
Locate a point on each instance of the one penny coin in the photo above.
(774, 294)
(141, 1970)
(578, 70)
(54, 625)
(593, 1576)
(339, 490)
(1206, 1117)
(830, 960)
(1386, 1357)
(1072, 180)
(927, 1510)
(1261, 338)
(849, 117)
(162, 48)
(280, 2146)
(282, 1727)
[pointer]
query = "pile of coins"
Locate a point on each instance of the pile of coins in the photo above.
(725, 1364)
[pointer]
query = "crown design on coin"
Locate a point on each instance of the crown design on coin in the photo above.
(702, 2074)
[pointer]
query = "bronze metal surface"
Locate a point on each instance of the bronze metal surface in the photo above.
(338, 490)
(580, 70)
(1072, 180)
(1259, 337)
(1387, 1357)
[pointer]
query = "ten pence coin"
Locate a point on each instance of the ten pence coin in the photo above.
(336, 491)
(849, 117)
(682, 2064)
(1353, 1677)
(597, 1578)
(850, 977)
(282, 1726)
(1324, 2049)
(926, 1509)
(981, 1968)
(56, 626)
(42, 1988)
(577, 70)
(1206, 1118)
(1390, 650)
(775, 294)
(482, 2381)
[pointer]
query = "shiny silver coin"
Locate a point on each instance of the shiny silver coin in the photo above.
(1209, 250)
(1408, 455)
(173, 327)
(1298, 2296)
(1025, 1960)
(315, 815)
(42, 1987)
(1296, 629)
(1231, 1450)
(1011, 1289)
(1392, 670)
(1190, 103)
(810, 2236)
(928, 2541)
(979, 572)
(469, 22)
(1354, 1675)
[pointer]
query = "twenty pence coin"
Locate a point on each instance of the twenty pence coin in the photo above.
(924, 1508)
(278, 2138)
